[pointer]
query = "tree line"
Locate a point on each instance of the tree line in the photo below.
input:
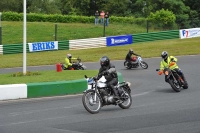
(182, 9)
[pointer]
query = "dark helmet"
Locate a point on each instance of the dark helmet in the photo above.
(104, 61)
(164, 55)
(69, 56)
(131, 51)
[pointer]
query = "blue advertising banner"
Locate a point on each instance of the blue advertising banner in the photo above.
(119, 40)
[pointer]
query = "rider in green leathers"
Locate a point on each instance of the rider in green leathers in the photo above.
(166, 60)
(68, 64)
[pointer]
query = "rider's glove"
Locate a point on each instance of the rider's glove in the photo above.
(78, 59)
(160, 72)
(172, 63)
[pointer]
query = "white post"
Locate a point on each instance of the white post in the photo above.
(0, 30)
(24, 40)
(0, 18)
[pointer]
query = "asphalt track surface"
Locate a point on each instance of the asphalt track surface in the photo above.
(156, 108)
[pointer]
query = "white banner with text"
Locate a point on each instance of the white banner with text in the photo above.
(42, 46)
(189, 33)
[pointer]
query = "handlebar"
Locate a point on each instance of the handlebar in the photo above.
(157, 69)
(79, 59)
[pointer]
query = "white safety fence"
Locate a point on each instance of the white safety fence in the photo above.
(87, 43)
(1, 49)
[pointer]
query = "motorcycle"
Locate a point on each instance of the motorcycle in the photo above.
(76, 66)
(98, 95)
(174, 79)
(136, 61)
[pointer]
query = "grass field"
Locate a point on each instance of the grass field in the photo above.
(12, 32)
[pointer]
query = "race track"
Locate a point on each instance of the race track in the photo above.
(156, 107)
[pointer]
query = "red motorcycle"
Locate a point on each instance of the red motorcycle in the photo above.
(136, 61)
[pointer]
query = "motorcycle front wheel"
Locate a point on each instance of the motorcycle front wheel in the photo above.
(175, 85)
(127, 100)
(144, 65)
(89, 103)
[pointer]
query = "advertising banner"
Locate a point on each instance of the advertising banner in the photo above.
(119, 40)
(189, 33)
(42, 46)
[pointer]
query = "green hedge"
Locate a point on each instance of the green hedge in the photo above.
(33, 17)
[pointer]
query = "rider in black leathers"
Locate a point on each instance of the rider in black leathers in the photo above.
(110, 73)
(129, 55)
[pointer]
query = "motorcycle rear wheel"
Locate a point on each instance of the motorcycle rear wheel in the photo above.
(89, 104)
(126, 65)
(185, 85)
(127, 100)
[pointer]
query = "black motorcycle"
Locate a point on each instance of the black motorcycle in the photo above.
(75, 66)
(174, 79)
(135, 63)
(98, 95)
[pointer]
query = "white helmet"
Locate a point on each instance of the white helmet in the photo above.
(164, 55)
(69, 56)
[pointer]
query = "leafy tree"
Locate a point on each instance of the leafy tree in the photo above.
(116, 7)
(164, 17)
(187, 11)
(194, 5)
(74, 7)
(11, 5)
(44, 6)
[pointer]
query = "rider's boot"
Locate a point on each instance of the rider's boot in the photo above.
(116, 96)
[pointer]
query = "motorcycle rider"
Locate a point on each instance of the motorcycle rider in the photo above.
(166, 60)
(129, 56)
(109, 71)
(68, 63)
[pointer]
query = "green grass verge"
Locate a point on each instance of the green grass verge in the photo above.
(147, 49)
(47, 76)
